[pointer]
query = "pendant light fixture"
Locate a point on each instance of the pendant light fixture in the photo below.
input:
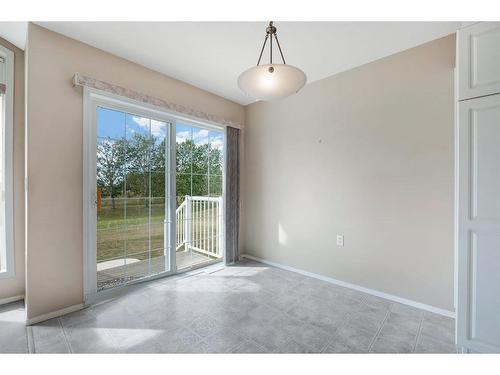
(271, 81)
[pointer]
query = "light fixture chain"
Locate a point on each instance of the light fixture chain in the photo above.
(279, 47)
(271, 50)
(262, 50)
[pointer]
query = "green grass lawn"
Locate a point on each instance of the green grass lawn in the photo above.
(134, 212)
(126, 229)
(123, 230)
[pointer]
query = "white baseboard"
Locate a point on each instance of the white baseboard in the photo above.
(4, 301)
(54, 314)
(377, 293)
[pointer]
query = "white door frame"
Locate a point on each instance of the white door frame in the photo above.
(92, 99)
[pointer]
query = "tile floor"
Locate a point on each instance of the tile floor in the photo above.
(247, 308)
(13, 338)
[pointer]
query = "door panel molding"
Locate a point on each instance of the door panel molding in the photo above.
(477, 59)
(478, 313)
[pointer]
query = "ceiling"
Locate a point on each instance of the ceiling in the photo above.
(14, 32)
(211, 55)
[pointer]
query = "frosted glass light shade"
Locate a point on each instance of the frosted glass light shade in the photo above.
(271, 81)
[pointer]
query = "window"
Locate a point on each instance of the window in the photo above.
(6, 117)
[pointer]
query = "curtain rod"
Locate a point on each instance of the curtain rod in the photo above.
(81, 80)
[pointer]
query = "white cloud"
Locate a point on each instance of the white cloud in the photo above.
(158, 128)
(182, 136)
(200, 137)
(216, 144)
(141, 121)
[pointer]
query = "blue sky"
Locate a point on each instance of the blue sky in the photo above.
(115, 125)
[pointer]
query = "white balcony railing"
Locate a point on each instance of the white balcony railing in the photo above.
(199, 225)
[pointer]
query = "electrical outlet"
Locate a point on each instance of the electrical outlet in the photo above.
(340, 240)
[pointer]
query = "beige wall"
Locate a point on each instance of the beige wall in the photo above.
(367, 153)
(54, 149)
(15, 286)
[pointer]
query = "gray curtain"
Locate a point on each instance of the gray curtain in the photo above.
(232, 194)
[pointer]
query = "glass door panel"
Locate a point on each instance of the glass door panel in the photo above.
(132, 197)
(199, 174)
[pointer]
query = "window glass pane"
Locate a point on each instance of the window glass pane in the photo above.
(158, 194)
(138, 126)
(215, 186)
(132, 175)
(183, 184)
(158, 185)
(216, 152)
(138, 240)
(110, 168)
(137, 185)
(137, 211)
(184, 148)
(111, 228)
(200, 152)
(131, 178)
(139, 144)
(157, 237)
(110, 124)
(158, 130)
(110, 242)
(159, 145)
(199, 186)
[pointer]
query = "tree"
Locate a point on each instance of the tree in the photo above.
(183, 168)
(139, 149)
(139, 164)
(110, 166)
(197, 167)
(158, 168)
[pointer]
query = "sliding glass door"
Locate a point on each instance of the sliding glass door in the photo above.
(153, 193)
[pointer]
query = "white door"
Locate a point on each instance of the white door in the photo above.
(478, 313)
